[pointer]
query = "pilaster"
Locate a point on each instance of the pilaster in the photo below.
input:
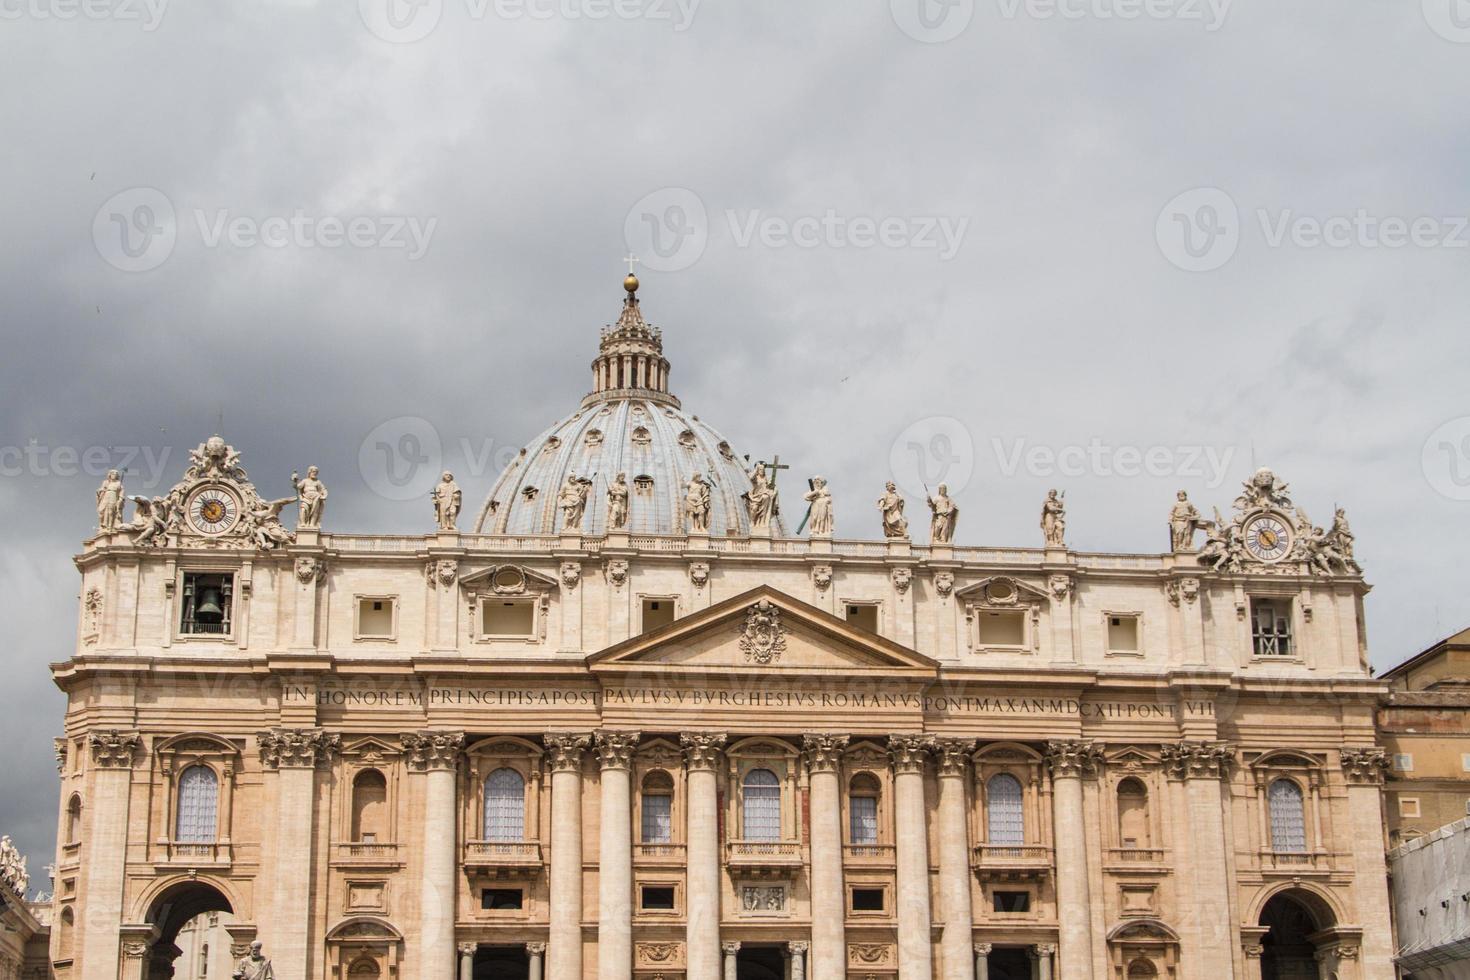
(823, 755)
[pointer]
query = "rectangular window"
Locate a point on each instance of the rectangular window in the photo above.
(1403, 761)
(207, 602)
(656, 613)
(658, 819)
(502, 899)
(657, 898)
(1002, 628)
(508, 618)
(867, 900)
(1123, 634)
(1465, 761)
(1010, 901)
(1271, 627)
(863, 819)
(1408, 806)
(863, 615)
(375, 617)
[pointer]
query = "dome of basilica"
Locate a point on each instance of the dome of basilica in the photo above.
(630, 424)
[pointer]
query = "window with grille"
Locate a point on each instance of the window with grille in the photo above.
(657, 811)
(198, 806)
(1271, 627)
(1006, 826)
(505, 806)
(1288, 817)
(762, 817)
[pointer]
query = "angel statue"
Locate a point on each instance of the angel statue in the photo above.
(151, 520)
(1221, 549)
(263, 518)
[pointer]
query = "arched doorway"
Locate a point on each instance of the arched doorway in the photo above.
(1287, 949)
(192, 943)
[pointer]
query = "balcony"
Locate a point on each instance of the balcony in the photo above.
(367, 854)
(763, 857)
(659, 854)
(1295, 862)
(1139, 858)
(197, 854)
(1012, 862)
(874, 856)
(503, 859)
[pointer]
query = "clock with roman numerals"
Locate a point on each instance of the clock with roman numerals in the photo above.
(213, 510)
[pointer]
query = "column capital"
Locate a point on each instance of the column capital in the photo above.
(798, 947)
(1073, 758)
(907, 752)
(702, 749)
(467, 949)
(113, 749)
(615, 749)
(823, 753)
(953, 755)
(297, 748)
(1044, 949)
(1254, 950)
(433, 750)
(983, 949)
(1192, 759)
(1366, 765)
(730, 948)
(565, 750)
(535, 949)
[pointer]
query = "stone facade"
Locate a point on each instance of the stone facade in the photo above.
(1424, 725)
(570, 755)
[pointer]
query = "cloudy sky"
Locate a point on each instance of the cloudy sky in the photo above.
(1117, 246)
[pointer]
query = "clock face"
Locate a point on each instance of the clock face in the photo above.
(213, 510)
(1268, 538)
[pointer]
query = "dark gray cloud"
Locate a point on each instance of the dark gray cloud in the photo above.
(1060, 321)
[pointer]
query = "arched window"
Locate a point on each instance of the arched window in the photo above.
(74, 820)
(505, 806)
(862, 809)
(1007, 827)
(203, 961)
(762, 817)
(1133, 830)
(369, 807)
(658, 808)
(1142, 969)
(1288, 818)
(198, 819)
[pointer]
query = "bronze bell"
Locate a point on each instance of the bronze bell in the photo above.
(209, 608)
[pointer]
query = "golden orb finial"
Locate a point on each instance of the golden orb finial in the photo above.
(631, 284)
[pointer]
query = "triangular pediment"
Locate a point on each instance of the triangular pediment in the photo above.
(764, 631)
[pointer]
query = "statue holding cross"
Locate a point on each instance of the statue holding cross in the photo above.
(762, 500)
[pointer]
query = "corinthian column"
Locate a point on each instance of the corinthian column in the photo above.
(1201, 765)
(436, 755)
(954, 860)
(615, 856)
(112, 779)
(702, 936)
(1069, 761)
(293, 754)
(915, 951)
(1364, 769)
(564, 952)
(829, 908)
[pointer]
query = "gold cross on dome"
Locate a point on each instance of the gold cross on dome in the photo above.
(632, 260)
